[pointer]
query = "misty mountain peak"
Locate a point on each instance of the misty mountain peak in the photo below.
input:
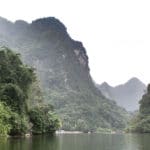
(134, 80)
(21, 23)
(126, 95)
(105, 84)
(49, 23)
(3, 20)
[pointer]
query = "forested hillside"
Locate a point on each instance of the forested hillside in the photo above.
(62, 67)
(18, 113)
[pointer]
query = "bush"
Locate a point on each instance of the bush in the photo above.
(43, 120)
(5, 114)
(20, 124)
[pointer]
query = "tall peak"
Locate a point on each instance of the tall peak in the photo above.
(49, 23)
(134, 80)
(105, 84)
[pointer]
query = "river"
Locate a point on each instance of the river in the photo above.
(79, 142)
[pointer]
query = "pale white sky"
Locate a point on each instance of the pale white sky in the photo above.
(115, 33)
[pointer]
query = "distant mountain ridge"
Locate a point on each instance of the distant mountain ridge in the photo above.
(126, 95)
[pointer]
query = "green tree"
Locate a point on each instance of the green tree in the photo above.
(18, 91)
(15, 80)
(81, 125)
(141, 122)
(5, 115)
(44, 119)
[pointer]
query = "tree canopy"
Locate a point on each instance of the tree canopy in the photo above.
(16, 83)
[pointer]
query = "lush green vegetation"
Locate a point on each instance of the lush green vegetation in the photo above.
(76, 115)
(141, 121)
(5, 115)
(16, 118)
(44, 120)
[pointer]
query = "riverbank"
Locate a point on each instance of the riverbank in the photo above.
(80, 132)
(68, 132)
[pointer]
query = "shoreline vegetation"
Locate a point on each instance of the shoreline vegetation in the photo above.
(19, 116)
(140, 122)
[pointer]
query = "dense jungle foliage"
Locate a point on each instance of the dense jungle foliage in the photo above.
(16, 84)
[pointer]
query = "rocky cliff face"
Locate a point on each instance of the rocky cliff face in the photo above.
(62, 67)
(126, 95)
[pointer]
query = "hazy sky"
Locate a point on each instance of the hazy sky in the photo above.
(115, 33)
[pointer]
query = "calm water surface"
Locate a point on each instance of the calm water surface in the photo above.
(79, 142)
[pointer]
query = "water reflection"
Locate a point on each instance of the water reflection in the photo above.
(143, 141)
(79, 142)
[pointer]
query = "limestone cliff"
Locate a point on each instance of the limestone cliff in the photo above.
(63, 71)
